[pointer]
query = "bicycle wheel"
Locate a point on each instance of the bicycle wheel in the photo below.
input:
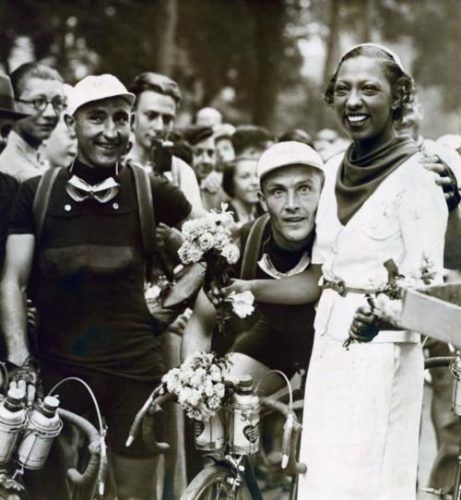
(215, 483)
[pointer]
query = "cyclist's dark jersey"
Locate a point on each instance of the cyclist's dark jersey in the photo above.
(279, 336)
(88, 275)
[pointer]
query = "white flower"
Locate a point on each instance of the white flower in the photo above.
(198, 377)
(206, 241)
(242, 303)
(231, 253)
(189, 253)
(215, 374)
(152, 292)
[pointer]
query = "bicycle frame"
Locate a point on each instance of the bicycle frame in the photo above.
(240, 468)
(455, 492)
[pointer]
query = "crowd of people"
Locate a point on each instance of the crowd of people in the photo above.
(88, 171)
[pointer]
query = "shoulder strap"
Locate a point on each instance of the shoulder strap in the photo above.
(252, 247)
(145, 207)
(42, 199)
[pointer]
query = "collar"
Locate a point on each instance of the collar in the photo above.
(92, 175)
(21, 146)
(279, 262)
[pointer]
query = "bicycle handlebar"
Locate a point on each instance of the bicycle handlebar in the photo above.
(94, 448)
(439, 362)
(145, 418)
(291, 434)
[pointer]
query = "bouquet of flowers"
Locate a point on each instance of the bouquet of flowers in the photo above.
(198, 385)
(387, 303)
(209, 240)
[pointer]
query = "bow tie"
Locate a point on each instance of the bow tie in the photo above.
(268, 267)
(79, 190)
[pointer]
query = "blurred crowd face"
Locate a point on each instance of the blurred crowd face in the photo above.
(204, 157)
(103, 131)
(363, 100)
(291, 195)
(224, 150)
(246, 182)
(208, 117)
(153, 118)
(48, 95)
(61, 147)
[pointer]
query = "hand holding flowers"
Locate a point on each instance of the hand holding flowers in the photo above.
(209, 240)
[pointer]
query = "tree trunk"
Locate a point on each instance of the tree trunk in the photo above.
(332, 50)
(269, 26)
(168, 13)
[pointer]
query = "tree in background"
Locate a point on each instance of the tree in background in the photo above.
(247, 48)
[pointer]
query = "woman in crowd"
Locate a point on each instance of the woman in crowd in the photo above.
(363, 405)
(240, 182)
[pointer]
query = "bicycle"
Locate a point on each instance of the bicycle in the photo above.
(453, 363)
(85, 485)
(227, 474)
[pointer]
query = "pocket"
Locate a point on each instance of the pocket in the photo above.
(380, 227)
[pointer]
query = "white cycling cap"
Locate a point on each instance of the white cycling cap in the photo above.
(288, 153)
(95, 88)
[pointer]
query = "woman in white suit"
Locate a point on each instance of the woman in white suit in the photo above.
(363, 405)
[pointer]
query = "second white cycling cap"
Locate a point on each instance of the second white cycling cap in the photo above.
(287, 153)
(95, 88)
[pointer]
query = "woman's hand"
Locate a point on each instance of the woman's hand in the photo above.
(365, 325)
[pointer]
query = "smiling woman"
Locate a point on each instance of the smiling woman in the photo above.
(363, 405)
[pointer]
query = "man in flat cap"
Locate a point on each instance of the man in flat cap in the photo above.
(86, 263)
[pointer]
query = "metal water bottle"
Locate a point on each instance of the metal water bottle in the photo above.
(455, 369)
(245, 422)
(209, 436)
(12, 420)
(43, 426)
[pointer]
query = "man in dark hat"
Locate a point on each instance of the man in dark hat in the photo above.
(204, 162)
(8, 112)
(8, 185)
(203, 149)
(39, 93)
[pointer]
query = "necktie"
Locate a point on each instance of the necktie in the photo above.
(79, 190)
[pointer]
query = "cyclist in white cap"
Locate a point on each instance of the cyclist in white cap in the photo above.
(87, 278)
(277, 245)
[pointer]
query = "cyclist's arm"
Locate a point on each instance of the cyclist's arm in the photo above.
(199, 329)
(13, 312)
(301, 288)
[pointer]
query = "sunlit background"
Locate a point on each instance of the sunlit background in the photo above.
(257, 61)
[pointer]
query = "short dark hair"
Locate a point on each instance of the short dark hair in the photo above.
(298, 135)
(155, 82)
(228, 171)
(246, 136)
(402, 84)
(31, 70)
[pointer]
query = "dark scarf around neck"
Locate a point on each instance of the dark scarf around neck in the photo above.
(359, 177)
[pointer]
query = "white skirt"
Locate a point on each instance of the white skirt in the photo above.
(361, 421)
